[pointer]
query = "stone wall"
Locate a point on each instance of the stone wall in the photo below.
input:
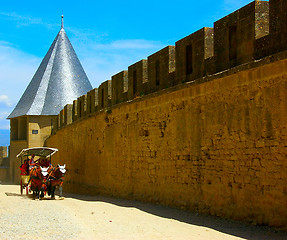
(4, 174)
(216, 146)
(3, 153)
(200, 125)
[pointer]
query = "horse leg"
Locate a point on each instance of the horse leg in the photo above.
(41, 194)
(53, 188)
(53, 192)
(49, 189)
(34, 189)
(61, 191)
(36, 194)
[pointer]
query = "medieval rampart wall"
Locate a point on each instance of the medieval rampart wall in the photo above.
(241, 37)
(199, 125)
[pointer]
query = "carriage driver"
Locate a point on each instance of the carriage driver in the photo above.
(31, 162)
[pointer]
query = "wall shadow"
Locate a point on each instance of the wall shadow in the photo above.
(235, 228)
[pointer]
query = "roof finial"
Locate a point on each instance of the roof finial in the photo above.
(62, 26)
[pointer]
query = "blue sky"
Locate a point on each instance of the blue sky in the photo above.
(107, 36)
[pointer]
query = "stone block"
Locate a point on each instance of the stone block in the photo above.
(3, 152)
(61, 118)
(92, 100)
(68, 113)
(119, 87)
(160, 66)
(278, 28)
(137, 77)
(75, 110)
(263, 47)
(82, 106)
(191, 53)
(104, 94)
(55, 125)
(235, 35)
(278, 16)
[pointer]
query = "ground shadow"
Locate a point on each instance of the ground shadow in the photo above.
(30, 196)
(8, 194)
(234, 228)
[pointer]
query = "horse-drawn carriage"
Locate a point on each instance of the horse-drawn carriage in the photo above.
(37, 173)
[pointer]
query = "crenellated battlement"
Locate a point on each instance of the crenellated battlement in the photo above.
(235, 35)
(120, 87)
(253, 32)
(191, 54)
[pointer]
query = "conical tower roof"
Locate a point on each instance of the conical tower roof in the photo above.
(58, 81)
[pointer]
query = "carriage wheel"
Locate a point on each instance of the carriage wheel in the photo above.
(27, 189)
(21, 187)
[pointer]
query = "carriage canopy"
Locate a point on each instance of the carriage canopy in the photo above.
(38, 151)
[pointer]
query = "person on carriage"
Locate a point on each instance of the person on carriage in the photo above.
(32, 162)
(24, 168)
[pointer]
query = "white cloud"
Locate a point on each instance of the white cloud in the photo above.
(3, 115)
(4, 99)
(17, 69)
(4, 123)
(129, 44)
(26, 20)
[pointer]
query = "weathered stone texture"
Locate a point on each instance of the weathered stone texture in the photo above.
(191, 53)
(92, 101)
(137, 79)
(104, 94)
(119, 87)
(3, 152)
(160, 66)
(235, 35)
(278, 28)
(68, 112)
(218, 147)
(82, 106)
(65, 116)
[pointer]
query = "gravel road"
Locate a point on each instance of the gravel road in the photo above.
(104, 218)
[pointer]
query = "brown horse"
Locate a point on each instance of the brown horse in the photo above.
(55, 179)
(38, 178)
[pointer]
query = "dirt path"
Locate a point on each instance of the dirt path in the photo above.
(103, 218)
